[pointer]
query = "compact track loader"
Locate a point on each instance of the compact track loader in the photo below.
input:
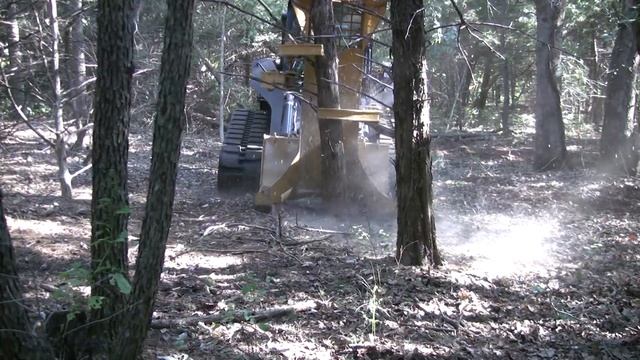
(275, 151)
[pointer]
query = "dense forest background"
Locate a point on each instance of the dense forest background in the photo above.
(475, 69)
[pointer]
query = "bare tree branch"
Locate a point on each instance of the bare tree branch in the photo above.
(23, 116)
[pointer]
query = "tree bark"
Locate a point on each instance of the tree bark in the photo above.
(416, 226)
(169, 124)
(485, 85)
(64, 176)
(550, 149)
(110, 202)
(332, 144)
(618, 124)
(506, 97)
(78, 74)
(15, 53)
(596, 102)
(505, 68)
(461, 100)
(17, 337)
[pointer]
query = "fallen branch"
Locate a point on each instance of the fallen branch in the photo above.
(258, 227)
(235, 316)
(223, 226)
(222, 251)
(298, 243)
(325, 231)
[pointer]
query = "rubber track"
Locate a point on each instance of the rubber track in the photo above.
(239, 165)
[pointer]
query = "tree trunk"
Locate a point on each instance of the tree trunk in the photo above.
(15, 53)
(506, 97)
(64, 177)
(558, 39)
(596, 102)
(617, 124)
(465, 92)
(416, 225)
(78, 74)
(169, 124)
(110, 202)
(485, 85)
(17, 337)
(514, 83)
(461, 99)
(550, 150)
(223, 37)
(505, 68)
(332, 144)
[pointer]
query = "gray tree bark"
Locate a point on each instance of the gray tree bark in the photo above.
(169, 124)
(18, 339)
(416, 238)
(596, 102)
(505, 115)
(331, 138)
(485, 85)
(110, 202)
(618, 103)
(550, 149)
(64, 176)
(78, 74)
(15, 53)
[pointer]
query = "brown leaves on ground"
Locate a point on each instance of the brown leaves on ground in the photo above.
(539, 265)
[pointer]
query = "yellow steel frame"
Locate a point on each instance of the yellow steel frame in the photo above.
(294, 163)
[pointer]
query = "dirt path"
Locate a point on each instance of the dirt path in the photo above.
(539, 265)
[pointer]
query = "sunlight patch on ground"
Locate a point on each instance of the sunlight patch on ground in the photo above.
(176, 258)
(500, 245)
(299, 350)
(35, 227)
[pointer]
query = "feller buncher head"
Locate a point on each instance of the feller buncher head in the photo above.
(290, 154)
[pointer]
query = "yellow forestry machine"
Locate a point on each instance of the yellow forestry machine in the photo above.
(275, 151)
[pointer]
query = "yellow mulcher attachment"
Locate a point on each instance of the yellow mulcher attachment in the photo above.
(291, 159)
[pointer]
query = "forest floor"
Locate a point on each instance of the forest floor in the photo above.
(538, 265)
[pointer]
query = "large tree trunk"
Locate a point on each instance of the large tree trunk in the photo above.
(110, 202)
(17, 337)
(64, 177)
(332, 145)
(617, 124)
(78, 74)
(416, 225)
(550, 150)
(169, 124)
